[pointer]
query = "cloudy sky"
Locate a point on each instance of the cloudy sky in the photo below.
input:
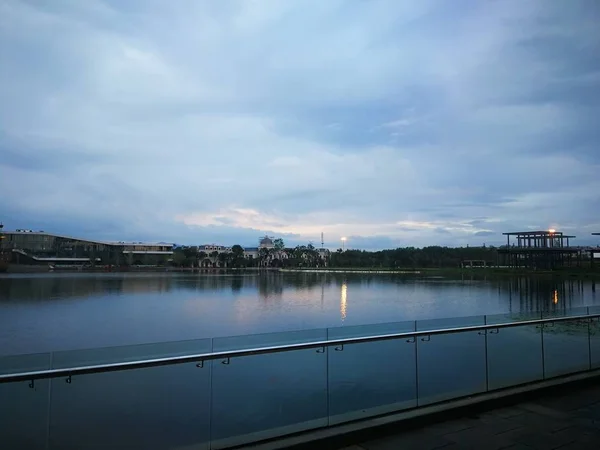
(392, 122)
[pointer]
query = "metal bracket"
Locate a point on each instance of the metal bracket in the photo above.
(32, 384)
(68, 380)
(200, 365)
(495, 331)
(226, 361)
(411, 340)
(321, 350)
(426, 338)
(482, 332)
(339, 348)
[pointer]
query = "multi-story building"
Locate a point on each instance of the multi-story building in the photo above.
(211, 248)
(39, 247)
(211, 255)
(213, 251)
(265, 253)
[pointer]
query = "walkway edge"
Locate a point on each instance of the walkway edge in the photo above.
(348, 433)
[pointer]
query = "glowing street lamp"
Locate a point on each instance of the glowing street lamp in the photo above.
(344, 239)
(552, 231)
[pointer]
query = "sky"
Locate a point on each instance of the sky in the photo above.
(391, 122)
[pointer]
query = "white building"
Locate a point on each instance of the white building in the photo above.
(275, 256)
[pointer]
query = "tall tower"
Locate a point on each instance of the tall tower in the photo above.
(322, 244)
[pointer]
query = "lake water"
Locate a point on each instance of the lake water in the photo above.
(50, 312)
(226, 402)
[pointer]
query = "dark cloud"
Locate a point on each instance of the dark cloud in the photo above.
(485, 233)
(144, 120)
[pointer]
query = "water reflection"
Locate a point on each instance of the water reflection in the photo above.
(343, 300)
(61, 311)
(541, 294)
(517, 294)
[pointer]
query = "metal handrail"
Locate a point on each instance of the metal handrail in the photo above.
(226, 355)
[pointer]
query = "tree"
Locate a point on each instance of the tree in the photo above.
(224, 259)
(237, 256)
(312, 255)
(278, 244)
(264, 255)
(178, 258)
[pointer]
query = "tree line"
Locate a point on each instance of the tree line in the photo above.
(309, 256)
(277, 256)
(412, 257)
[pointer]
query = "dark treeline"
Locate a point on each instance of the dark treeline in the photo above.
(411, 257)
(305, 256)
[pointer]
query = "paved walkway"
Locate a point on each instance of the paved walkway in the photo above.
(566, 419)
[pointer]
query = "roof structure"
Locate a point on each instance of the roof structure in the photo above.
(538, 233)
(91, 241)
(266, 241)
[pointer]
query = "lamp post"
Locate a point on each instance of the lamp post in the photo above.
(344, 244)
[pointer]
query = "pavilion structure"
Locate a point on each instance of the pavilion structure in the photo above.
(594, 252)
(545, 250)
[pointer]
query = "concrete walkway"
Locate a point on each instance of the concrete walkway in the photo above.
(566, 418)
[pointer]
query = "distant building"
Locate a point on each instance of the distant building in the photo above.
(211, 248)
(266, 245)
(539, 250)
(266, 242)
(39, 247)
(594, 252)
(212, 255)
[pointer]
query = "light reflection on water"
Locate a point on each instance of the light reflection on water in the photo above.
(46, 312)
(343, 301)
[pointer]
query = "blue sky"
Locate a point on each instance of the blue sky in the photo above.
(391, 122)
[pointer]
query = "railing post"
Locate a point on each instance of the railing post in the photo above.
(327, 379)
(487, 375)
(416, 365)
(543, 354)
(589, 327)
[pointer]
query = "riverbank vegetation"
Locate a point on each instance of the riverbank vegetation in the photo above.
(429, 261)
(310, 256)
(413, 258)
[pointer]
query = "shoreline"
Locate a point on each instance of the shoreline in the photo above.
(426, 272)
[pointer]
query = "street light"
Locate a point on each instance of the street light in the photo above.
(344, 239)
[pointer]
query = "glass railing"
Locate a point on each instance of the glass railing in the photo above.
(231, 391)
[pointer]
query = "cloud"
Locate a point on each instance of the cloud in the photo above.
(204, 122)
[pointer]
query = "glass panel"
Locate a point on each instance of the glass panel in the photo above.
(25, 363)
(512, 317)
(450, 365)
(24, 409)
(595, 338)
(262, 396)
(371, 378)
(152, 408)
(564, 312)
(107, 355)
(24, 414)
(566, 344)
(514, 355)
